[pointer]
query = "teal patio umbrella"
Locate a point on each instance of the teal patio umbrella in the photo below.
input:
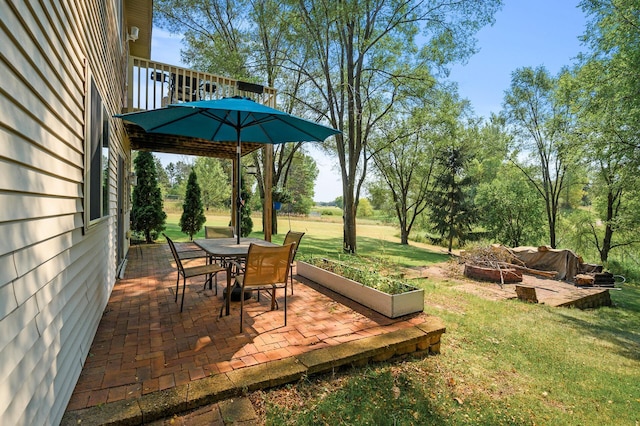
(230, 119)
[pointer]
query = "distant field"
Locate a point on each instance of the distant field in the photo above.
(323, 236)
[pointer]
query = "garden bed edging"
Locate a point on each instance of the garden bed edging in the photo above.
(389, 305)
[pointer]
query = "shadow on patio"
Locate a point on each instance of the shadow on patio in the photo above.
(144, 347)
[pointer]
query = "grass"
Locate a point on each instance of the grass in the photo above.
(324, 238)
(502, 362)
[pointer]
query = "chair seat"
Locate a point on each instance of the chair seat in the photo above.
(195, 271)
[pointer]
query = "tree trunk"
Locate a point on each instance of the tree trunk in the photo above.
(608, 230)
(606, 244)
(274, 222)
(404, 236)
(349, 224)
(551, 219)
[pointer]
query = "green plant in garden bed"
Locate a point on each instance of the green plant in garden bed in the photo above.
(369, 277)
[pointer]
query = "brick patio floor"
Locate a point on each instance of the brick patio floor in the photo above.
(145, 344)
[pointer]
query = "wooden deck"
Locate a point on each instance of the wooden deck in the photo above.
(548, 291)
(564, 294)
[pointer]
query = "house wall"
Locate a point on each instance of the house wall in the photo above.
(55, 274)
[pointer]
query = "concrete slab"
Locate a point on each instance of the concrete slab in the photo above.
(237, 410)
(126, 412)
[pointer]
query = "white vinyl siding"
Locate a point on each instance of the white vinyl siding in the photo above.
(56, 273)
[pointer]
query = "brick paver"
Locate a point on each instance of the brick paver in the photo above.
(145, 344)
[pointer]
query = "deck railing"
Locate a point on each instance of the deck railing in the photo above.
(153, 85)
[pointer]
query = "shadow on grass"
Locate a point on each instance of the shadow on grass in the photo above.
(619, 324)
(404, 255)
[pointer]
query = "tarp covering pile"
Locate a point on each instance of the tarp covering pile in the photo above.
(565, 262)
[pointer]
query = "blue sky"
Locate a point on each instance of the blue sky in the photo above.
(525, 33)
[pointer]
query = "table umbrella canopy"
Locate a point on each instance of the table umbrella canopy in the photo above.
(230, 119)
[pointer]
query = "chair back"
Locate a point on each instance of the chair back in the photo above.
(218, 232)
(293, 237)
(174, 252)
(267, 265)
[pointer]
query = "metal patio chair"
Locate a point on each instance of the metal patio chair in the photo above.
(191, 271)
(266, 268)
(293, 237)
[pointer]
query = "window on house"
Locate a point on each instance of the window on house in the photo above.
(119, 15)
(97, 157)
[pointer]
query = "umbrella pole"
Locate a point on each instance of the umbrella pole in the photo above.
(239, 190)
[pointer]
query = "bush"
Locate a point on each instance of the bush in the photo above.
(631, 272)
(192, 217)
(147, 214)
(364, 208)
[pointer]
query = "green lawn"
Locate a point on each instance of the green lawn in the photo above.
(323, 236)
(501, 363)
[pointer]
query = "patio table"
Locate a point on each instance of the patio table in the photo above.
(229, 248)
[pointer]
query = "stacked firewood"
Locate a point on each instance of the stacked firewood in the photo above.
(597, 279)
(499, 257)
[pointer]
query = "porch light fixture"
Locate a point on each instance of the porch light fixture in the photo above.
(252, 170)
(133, 178)
(133, 34)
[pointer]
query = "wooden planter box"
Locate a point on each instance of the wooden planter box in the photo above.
(389, 305)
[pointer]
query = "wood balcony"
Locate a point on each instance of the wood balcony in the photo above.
(153, 85)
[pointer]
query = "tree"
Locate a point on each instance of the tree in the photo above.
(365, 209)
(147, 214)
(192, 217)
(300, 183)
(208, 25)
(610, 118)
(170, 171)
(282, 166)
(541, 121)
(215, 183)
(405, 158)
(511, 210)
(178, 175)
(359, 57)
(163, 178)
(244, 40)
(615, 200)
(343, 63)
(452, 209)
(602, 123)
(380, 197)
(613, 33)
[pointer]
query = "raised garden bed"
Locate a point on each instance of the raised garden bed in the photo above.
(405, 299)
